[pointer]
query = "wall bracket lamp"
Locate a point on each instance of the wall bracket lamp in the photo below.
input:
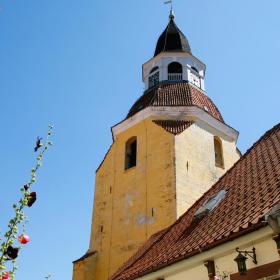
(242, 258)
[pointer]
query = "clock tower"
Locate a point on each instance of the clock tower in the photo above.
(171, 148)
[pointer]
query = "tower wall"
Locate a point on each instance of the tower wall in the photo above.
(172, 172)
(130, 205)
(85, 268)
(195, 169)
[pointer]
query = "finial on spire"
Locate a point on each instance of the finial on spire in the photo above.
(171, 15)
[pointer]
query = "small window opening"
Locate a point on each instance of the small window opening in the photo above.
(110, 189)
(219, 158)
(154, 77)
(131, 153)
(101, 229)
(175, 71)
(153, 212)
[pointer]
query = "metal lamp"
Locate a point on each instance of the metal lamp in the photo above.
(241, 259)
(241, 263)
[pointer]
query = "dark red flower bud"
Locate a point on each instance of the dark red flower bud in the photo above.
(31, 199)
(12, 252)
(38, 144)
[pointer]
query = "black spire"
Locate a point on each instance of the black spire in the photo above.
(172, 39)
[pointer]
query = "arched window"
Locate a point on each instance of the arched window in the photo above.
(175, 71)
(219, 157)
(154, 77)
(131, 153)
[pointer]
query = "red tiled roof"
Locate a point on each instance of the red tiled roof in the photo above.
(178, 94)
(253, 187)
(174, 127)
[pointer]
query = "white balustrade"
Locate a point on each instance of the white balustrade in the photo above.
(175, 76)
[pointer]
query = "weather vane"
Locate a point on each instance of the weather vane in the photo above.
(171, 6)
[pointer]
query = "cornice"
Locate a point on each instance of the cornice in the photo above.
(176, 113)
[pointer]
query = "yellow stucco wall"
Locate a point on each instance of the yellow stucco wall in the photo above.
(124, 199)
(196, 171)
(85, 268)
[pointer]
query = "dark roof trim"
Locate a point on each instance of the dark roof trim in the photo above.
(104, 158)
(87, 255)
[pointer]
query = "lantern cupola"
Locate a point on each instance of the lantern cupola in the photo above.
(173, 60)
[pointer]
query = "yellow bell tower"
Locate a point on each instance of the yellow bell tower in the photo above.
(172, 146)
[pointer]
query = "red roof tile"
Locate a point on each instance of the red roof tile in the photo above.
(176, 94)
(174, 127)
(253, 187)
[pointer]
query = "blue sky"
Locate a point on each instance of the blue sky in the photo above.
(77, 65)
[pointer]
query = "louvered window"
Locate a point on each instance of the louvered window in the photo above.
(154, 79)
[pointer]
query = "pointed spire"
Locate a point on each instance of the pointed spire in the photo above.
(172, 39)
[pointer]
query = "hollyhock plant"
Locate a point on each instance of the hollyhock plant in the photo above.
(8, 251)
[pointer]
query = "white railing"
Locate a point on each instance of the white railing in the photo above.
(175, 76)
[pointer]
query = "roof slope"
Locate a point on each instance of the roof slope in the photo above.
(176, 94)
(172, 39)
(253, 187)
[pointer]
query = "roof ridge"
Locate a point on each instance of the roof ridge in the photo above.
(265, 135)
(155, 94)
(165, 39)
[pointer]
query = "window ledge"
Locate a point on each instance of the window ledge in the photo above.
(130, 169)
(220, 166)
